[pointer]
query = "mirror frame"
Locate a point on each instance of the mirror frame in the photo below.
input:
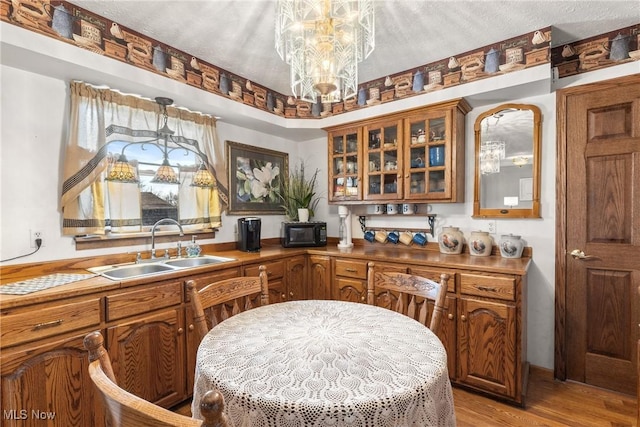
(534, 211)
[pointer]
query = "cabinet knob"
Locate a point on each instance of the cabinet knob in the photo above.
(191, 327)
(284, 296)
(362, 298)
(180, 331)
(290, 294)
(464, 318)
(450, 316)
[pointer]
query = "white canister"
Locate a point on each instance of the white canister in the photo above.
(480, 243)
(450, 240)
(511, 246)
(392, 209)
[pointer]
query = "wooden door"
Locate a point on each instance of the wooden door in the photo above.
(319, 277)
(599, 233)
(296, 278)
(48, 385)
(148, 357)
(487, 354)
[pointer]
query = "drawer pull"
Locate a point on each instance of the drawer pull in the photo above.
(51, 324)
(486, 289)
(464, 318)
(450, 316)
(351, 270)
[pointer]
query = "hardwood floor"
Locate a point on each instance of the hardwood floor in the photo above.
(549, 403)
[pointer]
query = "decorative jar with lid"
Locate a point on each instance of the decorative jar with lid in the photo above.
(511, 246)
(480, 243)
(450, 240)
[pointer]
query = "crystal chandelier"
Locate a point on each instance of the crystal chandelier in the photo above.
(323, 41)
(491, 152)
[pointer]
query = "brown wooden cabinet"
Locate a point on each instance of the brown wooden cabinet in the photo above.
(349, 280)
(148, 356)
(296, 278)
(44, 366)
(51, 379)
(345, 164)
(146, 341)
(483, 330)
(415, 155)
(492, 334)
(319, 283)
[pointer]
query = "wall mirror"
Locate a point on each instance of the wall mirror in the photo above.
(507, 167)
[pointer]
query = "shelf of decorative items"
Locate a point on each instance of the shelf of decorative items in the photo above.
(431, 219)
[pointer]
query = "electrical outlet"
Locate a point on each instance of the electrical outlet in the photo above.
(493, 226)
(33, 235)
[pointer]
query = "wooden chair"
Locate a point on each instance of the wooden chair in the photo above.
(204, 300)
(128, 410)
(406, 289)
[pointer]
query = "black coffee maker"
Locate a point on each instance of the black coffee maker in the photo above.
(249, 234)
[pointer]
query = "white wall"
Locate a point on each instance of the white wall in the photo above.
(33, 135)
(34, 111)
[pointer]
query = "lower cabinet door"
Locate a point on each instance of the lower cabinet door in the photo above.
(319, 277)
(487, 346)
(148, 356)
(353, 290)
(49, 385)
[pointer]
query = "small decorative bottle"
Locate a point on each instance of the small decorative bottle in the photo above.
(450, 240)
(480, 243)
(511, 246)
(193, 249)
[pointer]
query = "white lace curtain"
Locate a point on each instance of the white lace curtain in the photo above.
(88, 201)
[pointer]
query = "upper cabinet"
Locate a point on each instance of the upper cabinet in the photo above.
(415, 155)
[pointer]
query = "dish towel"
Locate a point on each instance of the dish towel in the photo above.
(40, 283)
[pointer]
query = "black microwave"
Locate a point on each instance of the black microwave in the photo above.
(303, 234)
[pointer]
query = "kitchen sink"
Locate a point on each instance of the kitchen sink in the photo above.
(198, 261)
(129, 271)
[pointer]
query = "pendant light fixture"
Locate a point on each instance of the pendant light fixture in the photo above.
(123, 171)
(323, 41)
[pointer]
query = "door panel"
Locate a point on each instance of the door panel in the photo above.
(603, 222)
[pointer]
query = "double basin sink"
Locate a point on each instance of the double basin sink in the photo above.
(130, 271)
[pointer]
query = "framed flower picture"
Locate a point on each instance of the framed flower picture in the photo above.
(255, 177)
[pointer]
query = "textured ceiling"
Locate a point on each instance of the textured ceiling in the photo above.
(238, 35)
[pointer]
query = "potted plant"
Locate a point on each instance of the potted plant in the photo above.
(298, 194)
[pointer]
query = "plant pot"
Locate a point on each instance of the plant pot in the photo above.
(303, 214)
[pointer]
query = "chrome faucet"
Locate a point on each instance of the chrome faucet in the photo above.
(153, 234)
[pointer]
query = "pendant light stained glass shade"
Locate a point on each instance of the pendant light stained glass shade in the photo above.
(166, 174)
(122, 171)
(202, 178)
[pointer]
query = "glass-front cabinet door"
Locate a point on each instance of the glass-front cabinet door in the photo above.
(428, 156)
(345, 165)
(383, 160)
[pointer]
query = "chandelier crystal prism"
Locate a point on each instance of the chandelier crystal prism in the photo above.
(323, 41)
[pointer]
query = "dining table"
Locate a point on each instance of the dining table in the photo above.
(325, 363)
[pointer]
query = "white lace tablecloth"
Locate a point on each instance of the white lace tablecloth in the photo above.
(326, 363)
